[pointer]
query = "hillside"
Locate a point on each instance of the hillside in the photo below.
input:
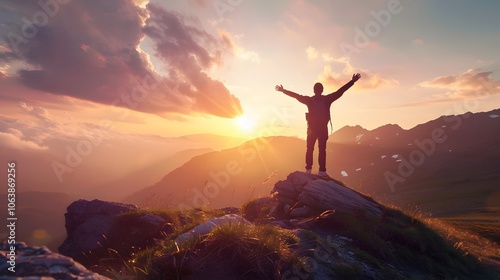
(442, 151)
(310, 228)
(225, 178)
(449, 167)
(120, 188)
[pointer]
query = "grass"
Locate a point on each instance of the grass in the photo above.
(471, 206)
(256, 209)
(121, 252)
(466, 240)
(482, 224)
(397, 245)
(347, 271)
(252, 252)
(408, 243)
(228, 251)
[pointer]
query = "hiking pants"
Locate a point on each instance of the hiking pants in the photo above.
(321, 135)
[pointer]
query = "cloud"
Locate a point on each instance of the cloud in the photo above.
(185, 49)
(328, 57)
(3, 70)
(312, 53)
(200, 3)
(369, 80)
(466, 84)
(237, 50)
(38, 112)
(12, 139)
(36, 124)
(90, 50)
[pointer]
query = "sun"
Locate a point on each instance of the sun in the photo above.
(245, 123)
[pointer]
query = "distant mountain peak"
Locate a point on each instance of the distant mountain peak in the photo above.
(348, 134)
(388, 129)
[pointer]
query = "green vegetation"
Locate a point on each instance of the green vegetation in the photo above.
(486, 225)
(409, 244)
(258, 251)
(396, 246)
(256, 209)
(347, 271)
(470, 206)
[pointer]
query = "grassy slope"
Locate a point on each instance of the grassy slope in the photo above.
(400, 246)
(469, 205)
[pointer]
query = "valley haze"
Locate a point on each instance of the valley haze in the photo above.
(447, 167)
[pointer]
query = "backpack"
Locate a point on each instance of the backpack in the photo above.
(319, 112)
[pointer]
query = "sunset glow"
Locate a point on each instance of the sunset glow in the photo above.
(101, 82)
(246, 123)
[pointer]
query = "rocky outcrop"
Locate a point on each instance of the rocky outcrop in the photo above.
(302, 195)
(94, 229)
(38, 262)
(82, 211)
(87, 224)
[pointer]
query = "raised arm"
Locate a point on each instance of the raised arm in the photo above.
(336, 95)
(287, 92)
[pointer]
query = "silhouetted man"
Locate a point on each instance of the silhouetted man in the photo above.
(317, 119)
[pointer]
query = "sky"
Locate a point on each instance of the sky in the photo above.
(137, 73)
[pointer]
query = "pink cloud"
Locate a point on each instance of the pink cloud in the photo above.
(466, 84)
(369, 79)
(238, 51)
(13, 140)
(89, 50)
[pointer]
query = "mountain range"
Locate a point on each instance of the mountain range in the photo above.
(449, 167)
(434, 165)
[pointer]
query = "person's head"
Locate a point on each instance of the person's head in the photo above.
(318, 89)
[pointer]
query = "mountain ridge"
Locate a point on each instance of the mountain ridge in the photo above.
(415, 167)
(377, 141)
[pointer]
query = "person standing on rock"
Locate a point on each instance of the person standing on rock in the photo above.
(317, 117)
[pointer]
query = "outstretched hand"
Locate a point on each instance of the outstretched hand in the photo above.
(356, 77)
(279, 88)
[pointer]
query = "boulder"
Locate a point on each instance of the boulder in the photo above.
(153, 220)
(39, 263)
(306, 194)
(304, 211)
(288, 190)
(329, 195)
(87, 224)
(82, 210)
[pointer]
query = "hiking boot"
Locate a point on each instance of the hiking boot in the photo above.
(323, 174)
